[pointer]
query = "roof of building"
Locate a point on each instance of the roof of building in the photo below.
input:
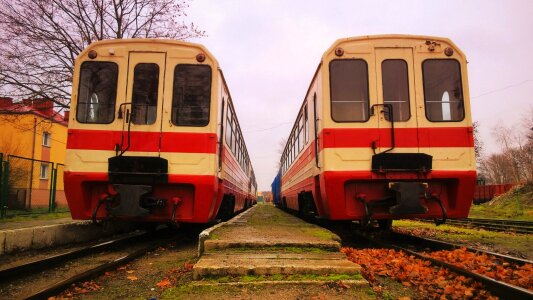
(43, 108)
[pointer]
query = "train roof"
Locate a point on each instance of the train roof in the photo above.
(389, 39)
(153, 42)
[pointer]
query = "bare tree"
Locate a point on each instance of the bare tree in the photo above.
(281, 147)
(478, 143)
(39, 39)
(514, 164)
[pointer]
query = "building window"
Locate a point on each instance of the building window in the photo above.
(46, 139)
(44, 171)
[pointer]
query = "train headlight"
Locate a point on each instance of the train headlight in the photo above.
(448, 51)
(200, 57)
(92, 54)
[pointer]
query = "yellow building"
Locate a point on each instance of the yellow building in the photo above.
(35, 138)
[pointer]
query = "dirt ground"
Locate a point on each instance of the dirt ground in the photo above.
(167, 274)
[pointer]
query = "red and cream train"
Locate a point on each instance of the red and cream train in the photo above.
(384, 132)
(154, 136)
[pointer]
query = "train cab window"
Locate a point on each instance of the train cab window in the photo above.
(144, 95)
(349, 90)
(191, 95)
(395, 82)
(443, 91)
(97, 92)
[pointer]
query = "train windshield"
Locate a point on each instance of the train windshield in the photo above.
(443, 92)
(395, 82)
(144, 95)
(97, 92)
(349, 90)
(191, 95)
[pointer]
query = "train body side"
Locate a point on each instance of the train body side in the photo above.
(357, 165)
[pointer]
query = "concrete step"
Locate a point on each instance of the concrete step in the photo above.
(247, 263)
(345, 283)
(211, 245)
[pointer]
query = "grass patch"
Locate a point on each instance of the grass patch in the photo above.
(279, 249)
(32, 216)
(281, 277)
(269, 214)
(320, 233)
(504, 242)
(517, 204)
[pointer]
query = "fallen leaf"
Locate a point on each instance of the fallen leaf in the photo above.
(132, 278)
(165, 283)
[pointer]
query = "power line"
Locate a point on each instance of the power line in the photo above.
(503, 88)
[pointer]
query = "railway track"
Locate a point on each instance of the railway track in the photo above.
(412, 245)
(127, 248)
(491, 224)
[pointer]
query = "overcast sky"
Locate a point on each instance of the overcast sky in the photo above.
(269, 51)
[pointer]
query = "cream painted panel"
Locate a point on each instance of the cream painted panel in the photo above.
(179, 163)
(359, 159)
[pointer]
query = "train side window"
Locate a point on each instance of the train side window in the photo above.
(306, 126)
(144, 95)
(349, 90)
(97, 92)
(301, 133)
(191, 95)
(443, 91)
(228, 128)
(395, 80)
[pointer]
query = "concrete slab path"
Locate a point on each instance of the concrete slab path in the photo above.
(268, 241)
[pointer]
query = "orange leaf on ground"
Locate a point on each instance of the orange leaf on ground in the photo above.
(132, 278)
(165, 283)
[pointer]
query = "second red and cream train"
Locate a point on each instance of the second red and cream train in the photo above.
(384, 132)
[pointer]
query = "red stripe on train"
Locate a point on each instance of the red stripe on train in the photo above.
(404, 137)
(143, 141)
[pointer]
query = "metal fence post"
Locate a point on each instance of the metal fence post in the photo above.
(4, 190)
(53, 181)
(1, 184)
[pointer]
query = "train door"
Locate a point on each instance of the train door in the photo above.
(396, 90)
(144, 100)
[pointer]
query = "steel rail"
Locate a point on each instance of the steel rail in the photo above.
(499, 288)
(524, 228)
(501, 221)
(65, 284)
(447, 245)
(51, 261)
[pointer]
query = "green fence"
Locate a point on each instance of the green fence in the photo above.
(29, 186)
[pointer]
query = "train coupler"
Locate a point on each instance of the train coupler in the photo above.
(129, 204)
(435, 198)
(407, 195)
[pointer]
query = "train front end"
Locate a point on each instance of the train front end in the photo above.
(142, 139)
(397, 138)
